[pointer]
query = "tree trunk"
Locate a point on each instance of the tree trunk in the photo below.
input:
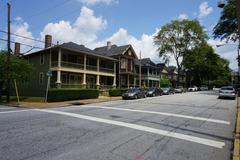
(1, 90)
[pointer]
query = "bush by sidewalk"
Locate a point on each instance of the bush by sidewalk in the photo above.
(57, 95)
(117, 92)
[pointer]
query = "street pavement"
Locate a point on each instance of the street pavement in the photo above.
(194, 126)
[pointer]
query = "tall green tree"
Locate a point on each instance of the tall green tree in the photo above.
(227, 26)
(177, 37)
(20, 70)
(205, 65)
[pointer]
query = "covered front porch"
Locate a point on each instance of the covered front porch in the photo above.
(81, 80)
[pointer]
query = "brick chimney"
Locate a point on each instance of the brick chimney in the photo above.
(17, 49)
(109, 45)
(48, 41)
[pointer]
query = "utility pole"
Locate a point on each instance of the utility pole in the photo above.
(8, 54)
(140, 71)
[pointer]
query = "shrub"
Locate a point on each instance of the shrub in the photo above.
(56, 95)
(117, 92)
(164, 82)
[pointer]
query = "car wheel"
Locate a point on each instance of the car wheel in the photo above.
(135, 97)
(153, 95)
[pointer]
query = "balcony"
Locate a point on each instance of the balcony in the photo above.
(81, 66)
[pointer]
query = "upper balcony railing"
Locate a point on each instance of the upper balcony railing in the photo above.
(81, 66)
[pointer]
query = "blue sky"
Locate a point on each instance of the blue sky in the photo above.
(93, 22)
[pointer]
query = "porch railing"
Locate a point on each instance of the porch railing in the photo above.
(81, 66)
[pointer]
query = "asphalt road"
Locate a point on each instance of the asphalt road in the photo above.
(195, 126)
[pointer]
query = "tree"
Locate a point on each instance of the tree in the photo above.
(20, 69)
(205, 65)
(227, 26)
(175, 38)
(164, 82)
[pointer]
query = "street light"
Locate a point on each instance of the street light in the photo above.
(221, 3)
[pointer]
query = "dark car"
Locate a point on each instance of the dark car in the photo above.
(134, 93)
(154, 91)
(168, 90)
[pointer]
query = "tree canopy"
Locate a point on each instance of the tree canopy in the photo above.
(175, 38)
(227, 26)
(19, 68)
(206, 66)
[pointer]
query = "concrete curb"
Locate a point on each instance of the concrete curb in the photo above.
(236, 153)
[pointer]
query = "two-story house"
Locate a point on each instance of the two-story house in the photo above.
(125, 68)
(150, 73)
(71, 65)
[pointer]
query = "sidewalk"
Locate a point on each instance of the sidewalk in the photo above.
(236, 151)
(62, 104)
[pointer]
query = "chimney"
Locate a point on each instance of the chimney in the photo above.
(17, 49)
(109, 44)
(48, 41)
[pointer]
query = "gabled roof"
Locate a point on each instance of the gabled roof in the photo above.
(76, 48)
(71, 45)
(145, 62)
(114, 50)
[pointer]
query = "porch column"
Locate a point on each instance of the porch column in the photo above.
(59, 57)
(114, 78)
(134, 82)
(128, 80)
(84, 73)
(58, 70)
(98, 77)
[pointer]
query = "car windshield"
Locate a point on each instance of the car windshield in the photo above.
(151, 89)
(132, 90)
(227, 88)
(165, 88)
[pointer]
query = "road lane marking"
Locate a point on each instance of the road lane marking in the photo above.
(208, 142)
(15, 111)
(161, 113)
(6, 108)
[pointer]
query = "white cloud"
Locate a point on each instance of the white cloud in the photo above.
(204, 9)
(183, 16)
(84, 30)
(226, 50)
(19, 27)
(93, 2)
(145, 44)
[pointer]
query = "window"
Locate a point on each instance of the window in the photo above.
(123, 63)
(41, 58)
(41, 77)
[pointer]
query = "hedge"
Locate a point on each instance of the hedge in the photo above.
(117, 92)
(56, 95)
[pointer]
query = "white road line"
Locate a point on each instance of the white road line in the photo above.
(15, 111)
(161, 113)
(208, 142)
(6, 108)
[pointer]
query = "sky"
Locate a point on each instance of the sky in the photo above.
(94, 22)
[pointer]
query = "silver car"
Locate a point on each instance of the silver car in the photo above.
(227, 92)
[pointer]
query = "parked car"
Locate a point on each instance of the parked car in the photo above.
(180, 89)
(134, 93)
(227, 92)
(192, 89)
(203, 88)
(154, 91)
(168, 90)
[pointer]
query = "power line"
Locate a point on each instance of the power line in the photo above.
(37, 40)
(1, 39)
